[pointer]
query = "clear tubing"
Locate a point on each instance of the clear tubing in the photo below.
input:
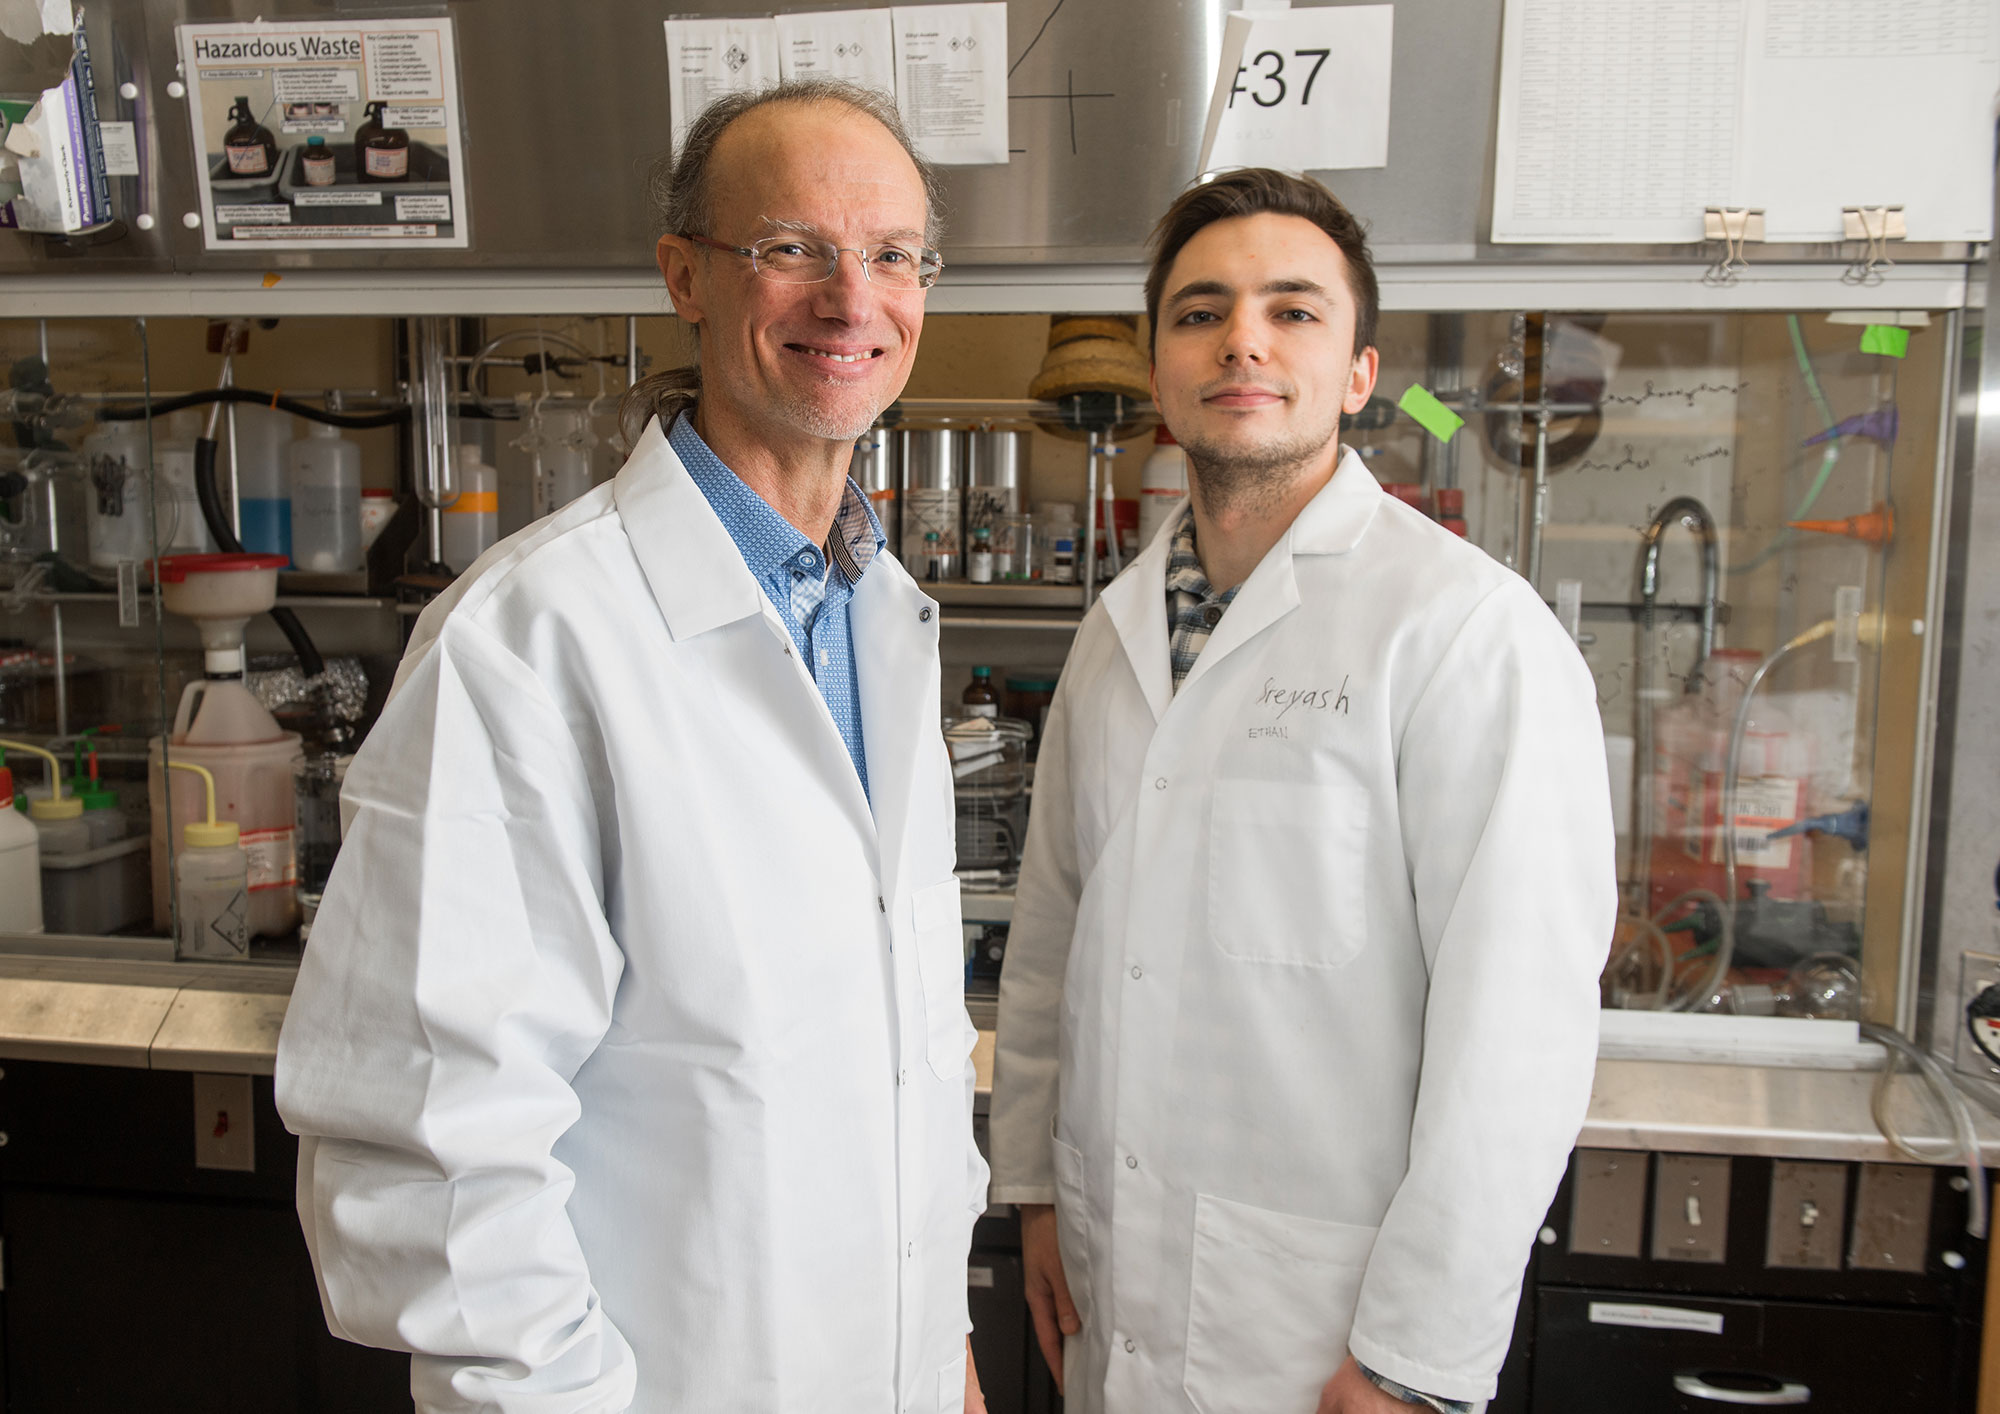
(1965, 1139)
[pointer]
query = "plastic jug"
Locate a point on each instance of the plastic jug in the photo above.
(222, 728)
(20, 865)
(263, 498)
(326, 501)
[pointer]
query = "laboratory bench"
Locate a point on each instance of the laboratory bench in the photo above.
(138, 1134)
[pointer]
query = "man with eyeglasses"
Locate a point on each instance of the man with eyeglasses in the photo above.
(630, 1057)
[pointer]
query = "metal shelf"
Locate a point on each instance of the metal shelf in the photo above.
(1031, 595)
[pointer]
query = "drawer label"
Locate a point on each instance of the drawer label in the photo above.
(1656, 1318)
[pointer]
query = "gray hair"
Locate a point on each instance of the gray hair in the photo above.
(682, 188)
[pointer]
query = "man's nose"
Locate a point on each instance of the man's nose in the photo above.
(1242, 342)
(847, 292)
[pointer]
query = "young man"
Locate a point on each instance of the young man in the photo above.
(1302, 975)
(629, 1060)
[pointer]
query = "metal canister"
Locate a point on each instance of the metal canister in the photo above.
(995, 469)
(874, 471)
(933, 481)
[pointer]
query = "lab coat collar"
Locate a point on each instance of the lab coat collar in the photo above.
(1332, 523)
(694, 569)
(1137, 604)
(895, 628)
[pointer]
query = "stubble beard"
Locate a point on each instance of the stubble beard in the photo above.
(818, 420)
(1249, 479)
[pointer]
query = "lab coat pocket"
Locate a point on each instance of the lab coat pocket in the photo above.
(1270, 1302)
(951, 1388)
(1072, 1215)
(1287, 872)
(940, 944)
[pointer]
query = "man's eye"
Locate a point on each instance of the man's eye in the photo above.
(786, 250)
(1298, 316)
(1197, 316)
(892, 255)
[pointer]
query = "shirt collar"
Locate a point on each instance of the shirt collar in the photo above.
(1184, 572)
(769, 543)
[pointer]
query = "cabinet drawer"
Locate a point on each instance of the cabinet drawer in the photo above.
(1648, 1353)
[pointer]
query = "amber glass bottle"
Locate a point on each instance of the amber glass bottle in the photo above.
(248, 145)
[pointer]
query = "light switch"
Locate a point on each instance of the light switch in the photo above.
(1690, 1208)
(225, 1132)
(1808, 1215)
(1892, 1218)
(1607, 1213)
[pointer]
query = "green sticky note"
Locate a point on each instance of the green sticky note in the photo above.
(1885, 339)
(1430, 414)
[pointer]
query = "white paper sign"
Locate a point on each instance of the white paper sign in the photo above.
(301, 77)
(121, 149)
(1301, 90)
(709, 58)
(858, 45)
(951, 80)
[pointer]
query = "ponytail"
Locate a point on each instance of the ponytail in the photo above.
(663, 395)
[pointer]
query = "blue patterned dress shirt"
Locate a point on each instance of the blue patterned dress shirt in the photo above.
(809, 585)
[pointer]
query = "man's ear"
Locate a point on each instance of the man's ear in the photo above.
(676, 258)
(1361, 380)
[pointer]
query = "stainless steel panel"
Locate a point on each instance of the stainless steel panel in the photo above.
(1691, 1208)
(1808, 1215)
(999, 457)
(933, 458)
(1892, 1218)
(1608, 1203)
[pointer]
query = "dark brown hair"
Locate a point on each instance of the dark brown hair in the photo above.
(1254, 191)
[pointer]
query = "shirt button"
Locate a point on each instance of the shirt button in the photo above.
(1212, 614)
(1160, 784)
(1131, 1161)
(823, 659)
(1130, 1346)
(807, 559)
(1136, 974)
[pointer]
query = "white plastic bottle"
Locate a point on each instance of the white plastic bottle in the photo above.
(263, 500)
(1163, 486)
(61, 826)
(325, 476)
(211, 887)
(182, 529)
(20, 865)
(116, 481)
(472, 522)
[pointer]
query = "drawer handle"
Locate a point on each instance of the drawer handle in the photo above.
(1775, 1392)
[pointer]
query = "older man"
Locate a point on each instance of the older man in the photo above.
(629, 1060)
(1299, 1015)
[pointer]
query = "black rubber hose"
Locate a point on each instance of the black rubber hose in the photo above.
(354, 421)
(310, 662)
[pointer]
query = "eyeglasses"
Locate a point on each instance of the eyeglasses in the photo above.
(804, 260)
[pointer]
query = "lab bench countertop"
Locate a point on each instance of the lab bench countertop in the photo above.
(154, 1014)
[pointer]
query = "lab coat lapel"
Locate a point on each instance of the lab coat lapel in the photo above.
(1137, 604)
(1332, 523)
(895, 627)
(694, 569)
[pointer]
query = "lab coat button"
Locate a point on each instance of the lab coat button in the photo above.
(1160, 784)
(881, 905)
(923, 616)
(1131, 1161)
(1130, 1346)
(1136, 974)
(902, 1077)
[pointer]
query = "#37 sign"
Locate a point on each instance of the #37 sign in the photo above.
(1301, 90)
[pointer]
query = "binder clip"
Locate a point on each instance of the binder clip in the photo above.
(1734, 226)
(1876, 226)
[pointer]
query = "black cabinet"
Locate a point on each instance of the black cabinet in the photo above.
(134, 1280)
(1649, 1354)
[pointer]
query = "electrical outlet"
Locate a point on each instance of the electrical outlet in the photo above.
(1892, 1218)
(1808, 1215)
(1691, 1208)
(225, 1132)
(1607, 1215)
(1976, 1019)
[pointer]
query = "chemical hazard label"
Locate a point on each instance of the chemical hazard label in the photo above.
(274, 862)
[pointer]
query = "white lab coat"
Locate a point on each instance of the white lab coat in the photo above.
(1302, 968)
(629, 1057)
